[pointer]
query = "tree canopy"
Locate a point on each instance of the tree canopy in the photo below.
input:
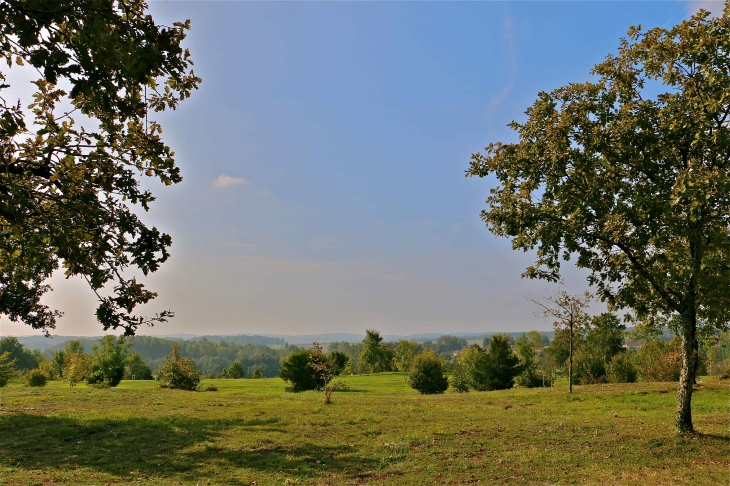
(630, 174)
(70, 170)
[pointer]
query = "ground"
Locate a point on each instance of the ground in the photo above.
(379, 431)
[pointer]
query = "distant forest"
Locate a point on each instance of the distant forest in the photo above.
(212, 357)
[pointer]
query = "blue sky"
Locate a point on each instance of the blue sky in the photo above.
(324, 160)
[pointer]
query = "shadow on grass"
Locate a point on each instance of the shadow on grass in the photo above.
(181, 448)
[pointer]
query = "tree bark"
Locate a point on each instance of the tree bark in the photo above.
(570, 360)
(687, 376)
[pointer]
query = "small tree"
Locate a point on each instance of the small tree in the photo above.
(7, 368)
(327, 369)
(135, 368)
(108, 360)
(427, 374)
(235, 370)
(375, 356)
(76, 368)
(296, 370)
(35, 378)
(177, 372)
(658, 360)
(405, 351)
(497, 368)
(256, 374)
(463, 372)
(568, 312)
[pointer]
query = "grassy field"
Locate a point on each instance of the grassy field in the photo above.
(378, 432)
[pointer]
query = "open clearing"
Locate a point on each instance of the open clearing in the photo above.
(379, 431)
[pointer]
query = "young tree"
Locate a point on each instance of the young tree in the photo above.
(135, 368)
(375, 356)
(326, 368)
(107, 361)
(427, 374)
(405, 351)
(631, 178)
(497, 368)
(67, 185)
(76, 368)
(235, 370)
(568, 312)
(177, 372)
(296, 370)
(7, 368)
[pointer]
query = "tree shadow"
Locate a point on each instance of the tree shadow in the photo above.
(182, 448)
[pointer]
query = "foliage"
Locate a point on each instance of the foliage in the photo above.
(257, 374)
(76, 368)
(338, 362)
(629, 174)
(497, 368)
(463, 372)
(658, 360)
(70, 183)
(375, 356)
(352, 351)
(24, 358)
(177, 372)
(404, 353)
(235, 371)
(603, 340)
(427, 374)
(621, 369)
(108, 359)
(7, 368)
(529, 376)
(135, 368)
(326, 368)
(296, 370)
(35, 378)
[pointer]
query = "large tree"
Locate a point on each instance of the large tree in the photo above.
(70, 168)
(630, 174)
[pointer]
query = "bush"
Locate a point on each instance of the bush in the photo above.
(256, 373)
(297, 370)
(210, 388)
(427, 374)
(659, 361)
(177, 372)
(621, 369)
(135, 368)
(589, 365)
(35, 377)
(460, 378)
(108, 360)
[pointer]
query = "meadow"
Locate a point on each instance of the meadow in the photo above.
(378, 431)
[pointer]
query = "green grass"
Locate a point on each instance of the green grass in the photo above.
(379, 431)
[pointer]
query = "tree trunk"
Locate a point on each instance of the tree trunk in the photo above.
(570, 360)
(687, 376)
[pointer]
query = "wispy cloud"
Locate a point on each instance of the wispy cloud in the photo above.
(509, 46)
(223, 181)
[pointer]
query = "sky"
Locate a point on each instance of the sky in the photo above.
(323, 160)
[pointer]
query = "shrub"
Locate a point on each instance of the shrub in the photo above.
(621, 369)
(177, 372)
(7, 369)
(427, 374)
(658, 360)
(589, 365)
(108, 360)
(35, 377)
(210, 388)
(256, 373)
(296, 370)
(135, 368)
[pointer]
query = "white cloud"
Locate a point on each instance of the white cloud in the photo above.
(223, 181)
